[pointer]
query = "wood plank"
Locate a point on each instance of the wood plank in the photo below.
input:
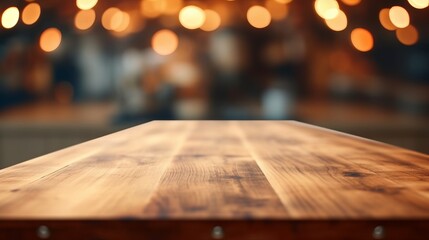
(111, 176)
(214, 177)
(307, 169)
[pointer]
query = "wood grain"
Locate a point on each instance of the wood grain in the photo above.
(281, 176)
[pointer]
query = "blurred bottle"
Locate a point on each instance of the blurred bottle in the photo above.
(278, 102)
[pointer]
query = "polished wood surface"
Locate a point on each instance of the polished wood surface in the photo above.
(269, 175)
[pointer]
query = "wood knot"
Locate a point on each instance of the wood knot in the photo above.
(353, 174)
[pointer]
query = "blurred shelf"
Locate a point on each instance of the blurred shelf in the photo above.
(357, 115)
(87, 114)
(373, 122)
(41, 128)
(35, 129)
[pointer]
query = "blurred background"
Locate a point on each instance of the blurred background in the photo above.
(74, 70)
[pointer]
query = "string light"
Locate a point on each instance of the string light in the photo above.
(50, 39)
(192, 17)
(258, 16)
(31, 13)
(10, 17)
(362, 39)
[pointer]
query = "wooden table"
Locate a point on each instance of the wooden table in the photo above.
(219, 180)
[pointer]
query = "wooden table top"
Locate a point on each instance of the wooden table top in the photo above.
(229, 173)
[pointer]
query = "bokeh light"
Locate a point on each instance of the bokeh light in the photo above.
(225, 13)
(165, 42)
(31, 13)
(339, 23)
(385, 19)
(258, 16)
(116, 20)
(283, 1)
(136, 22)
(107, 17)
(120, 21)
(327, 9)
(86, 4)
(419, 4)
(152, 8)
(351, 2)
(10, 17)
(399, 17)
(50, 39)
(407, 36)
(212, 21)
(84, 19)
(192, 17)
(277, 10)
(172, 6)
(362, 39)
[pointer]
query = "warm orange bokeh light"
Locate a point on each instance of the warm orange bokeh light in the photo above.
(50, 39)
(86, 4)
(84, 19)
(351, 2)
(116, 20)
(225, 13)
(339, 23)
(419, 4)
(399, 17)
(10, 17)
(327, 9)
(407, 36)
(172, 6)
(283, 1)
(31, 13)
(362, 39)
(278, 10)
(136, 23)
(107, 17)
(165, 42)
(385, 19)
(258, 16)
(152, 8)
(212, 21)
(120, 21)
(192, 17)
